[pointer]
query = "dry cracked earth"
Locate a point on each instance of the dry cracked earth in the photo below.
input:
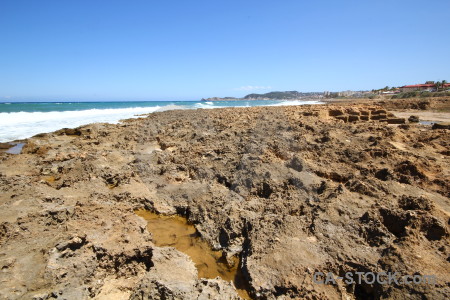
(290, 191)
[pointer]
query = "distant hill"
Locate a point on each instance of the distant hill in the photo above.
(221, 99)
(288, 95)
(276, 96)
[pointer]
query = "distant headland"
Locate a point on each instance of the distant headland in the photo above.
(428, 89)
(287, 95)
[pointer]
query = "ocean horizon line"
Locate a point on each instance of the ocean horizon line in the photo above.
(94, 101)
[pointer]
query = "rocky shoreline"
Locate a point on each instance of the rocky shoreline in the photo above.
(290, 191)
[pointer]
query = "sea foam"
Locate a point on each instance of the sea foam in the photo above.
(20, 125)
(295, 102)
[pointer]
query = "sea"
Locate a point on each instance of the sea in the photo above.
(20, 120)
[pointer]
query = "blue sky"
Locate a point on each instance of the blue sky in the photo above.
(186, 50)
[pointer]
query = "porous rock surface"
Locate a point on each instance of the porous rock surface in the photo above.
(290, 190)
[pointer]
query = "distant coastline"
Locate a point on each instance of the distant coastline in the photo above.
(287, 95)
(428, 89)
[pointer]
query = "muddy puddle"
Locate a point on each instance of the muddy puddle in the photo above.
(426, 122)
(12, 148)
(175, 231)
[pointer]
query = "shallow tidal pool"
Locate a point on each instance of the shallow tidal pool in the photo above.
(175, 231)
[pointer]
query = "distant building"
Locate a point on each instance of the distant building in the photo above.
(393, 92)
(346, 93)
(430, 87)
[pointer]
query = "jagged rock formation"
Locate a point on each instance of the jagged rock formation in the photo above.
(290, 190)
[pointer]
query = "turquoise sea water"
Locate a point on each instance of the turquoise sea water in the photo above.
(19, 120)
(76, 106)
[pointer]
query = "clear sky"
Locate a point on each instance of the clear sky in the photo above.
(186, 50)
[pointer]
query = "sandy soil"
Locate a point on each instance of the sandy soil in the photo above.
(425, 115)
(290, 191)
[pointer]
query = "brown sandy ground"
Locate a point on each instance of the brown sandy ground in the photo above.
(291, 190)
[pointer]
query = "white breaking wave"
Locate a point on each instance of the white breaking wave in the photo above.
(295, 102)
(172, 107)
(21, 125)
(207, 106)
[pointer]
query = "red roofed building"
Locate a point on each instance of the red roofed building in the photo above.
(419, 87)
(431, 87)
